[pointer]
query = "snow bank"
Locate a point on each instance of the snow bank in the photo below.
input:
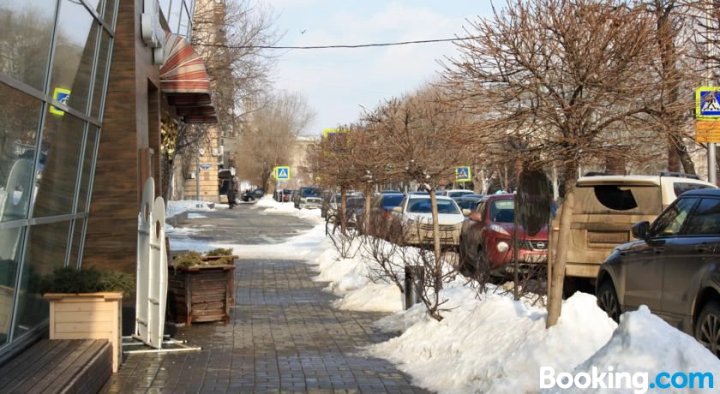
(493, 345)
(272, 206)
(643, 342)
(177, 207)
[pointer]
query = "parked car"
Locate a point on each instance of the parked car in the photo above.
(355, 210)
(469, 201)
(252, 195)
(486, 238)
(452, 193)
(287, 195)
(334, 201)
(415, 216)
(606, 206)
(672, 268)
(308, 197)
(381, 211)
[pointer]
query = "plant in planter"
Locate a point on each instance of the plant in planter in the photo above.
(87, 304)
(201, 289)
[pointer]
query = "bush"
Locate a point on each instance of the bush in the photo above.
(71, 280)
(188, 259)
(192, 259)
(219, 252)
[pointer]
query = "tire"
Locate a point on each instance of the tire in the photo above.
(707, 327)
(607, 299)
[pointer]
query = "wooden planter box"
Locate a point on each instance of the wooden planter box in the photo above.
(201, 293)
(232, 276)
(88, 316)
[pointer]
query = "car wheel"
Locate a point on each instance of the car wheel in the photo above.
(707, 328)
(607, 299)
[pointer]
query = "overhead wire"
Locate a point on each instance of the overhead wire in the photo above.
(344, 46)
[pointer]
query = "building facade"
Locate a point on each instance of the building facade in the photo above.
(86, 83)
(53, 76)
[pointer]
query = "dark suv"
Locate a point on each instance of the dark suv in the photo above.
(673, 268)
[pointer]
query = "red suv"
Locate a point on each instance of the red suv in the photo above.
(486, 238)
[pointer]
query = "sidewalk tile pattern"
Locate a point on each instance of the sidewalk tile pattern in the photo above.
(284, 337)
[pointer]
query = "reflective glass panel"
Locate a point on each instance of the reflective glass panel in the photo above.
(60, 157)
(77, 238)
(103, 58)
(25, 32)
(87, 169)
(9, 256)
(18, 137)
(110, 11)
(45, 251)
(184, 22)
(74, 54)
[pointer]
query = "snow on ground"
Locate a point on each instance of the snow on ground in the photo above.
(487, 343)
(177, 207)
(272, 206)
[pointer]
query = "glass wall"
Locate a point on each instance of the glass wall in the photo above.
(53, 76)
(178, 14)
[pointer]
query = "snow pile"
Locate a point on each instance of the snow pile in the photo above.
(350, 279)
(644, 342)
(177, 207)
(271, 206)
(493, 345)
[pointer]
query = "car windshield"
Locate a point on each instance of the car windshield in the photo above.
(287, 191)
(460, 193)
(392, 200)
(502, 211)
(422, 205)
(355, 202)
(310, 192)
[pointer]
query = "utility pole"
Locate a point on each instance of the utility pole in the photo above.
(712, 172)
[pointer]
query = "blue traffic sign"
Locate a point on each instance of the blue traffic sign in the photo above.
(462, 174)
(707, 103)
(282, 173)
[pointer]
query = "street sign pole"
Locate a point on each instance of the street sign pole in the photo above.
(712, 173)
(197, 177)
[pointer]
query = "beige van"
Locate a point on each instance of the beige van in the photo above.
(606, 206)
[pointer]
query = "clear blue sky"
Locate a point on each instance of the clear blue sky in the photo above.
(337, 83)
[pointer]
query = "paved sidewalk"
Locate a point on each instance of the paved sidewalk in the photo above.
(284, 336)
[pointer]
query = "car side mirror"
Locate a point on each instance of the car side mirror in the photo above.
(475, 216)
(641, 230)
(397, 209)
(466, 212)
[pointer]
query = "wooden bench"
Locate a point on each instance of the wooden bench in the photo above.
(59, 366)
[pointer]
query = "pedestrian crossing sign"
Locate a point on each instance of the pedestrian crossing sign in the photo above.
(707, 103)
(282, 173)
(60, 95)
(462, 174)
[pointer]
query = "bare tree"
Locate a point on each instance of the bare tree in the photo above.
(559, 75)
(271, 133)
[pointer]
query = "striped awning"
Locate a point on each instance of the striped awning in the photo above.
(185, 81)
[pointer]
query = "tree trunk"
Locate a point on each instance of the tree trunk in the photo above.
(436, 229)
(557, 277)
(342, 210)
(366, 213)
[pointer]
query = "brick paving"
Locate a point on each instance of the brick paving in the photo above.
(284, 336)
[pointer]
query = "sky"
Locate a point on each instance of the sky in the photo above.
(339, 83)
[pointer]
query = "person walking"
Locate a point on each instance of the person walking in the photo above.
(232, 192)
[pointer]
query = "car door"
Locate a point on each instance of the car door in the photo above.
(644, 264)
(699, 244)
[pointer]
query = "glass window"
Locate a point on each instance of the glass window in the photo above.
(681, 187)
(9, 254)
(184, 22)
(60, 157)
(87, 169)
(76, 240)
(174, 15)
(423, 205)
(45, 252)
(18, 137)
(671, 221)
(96, 5)
(109, 12)
(25, 32)
(629, 199)
(502, 211)
(102, 70)
(74, 53)
(706, 219)
(391, 200)
(165, 7)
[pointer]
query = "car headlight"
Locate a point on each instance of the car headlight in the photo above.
(498, 229)
(502, 246)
